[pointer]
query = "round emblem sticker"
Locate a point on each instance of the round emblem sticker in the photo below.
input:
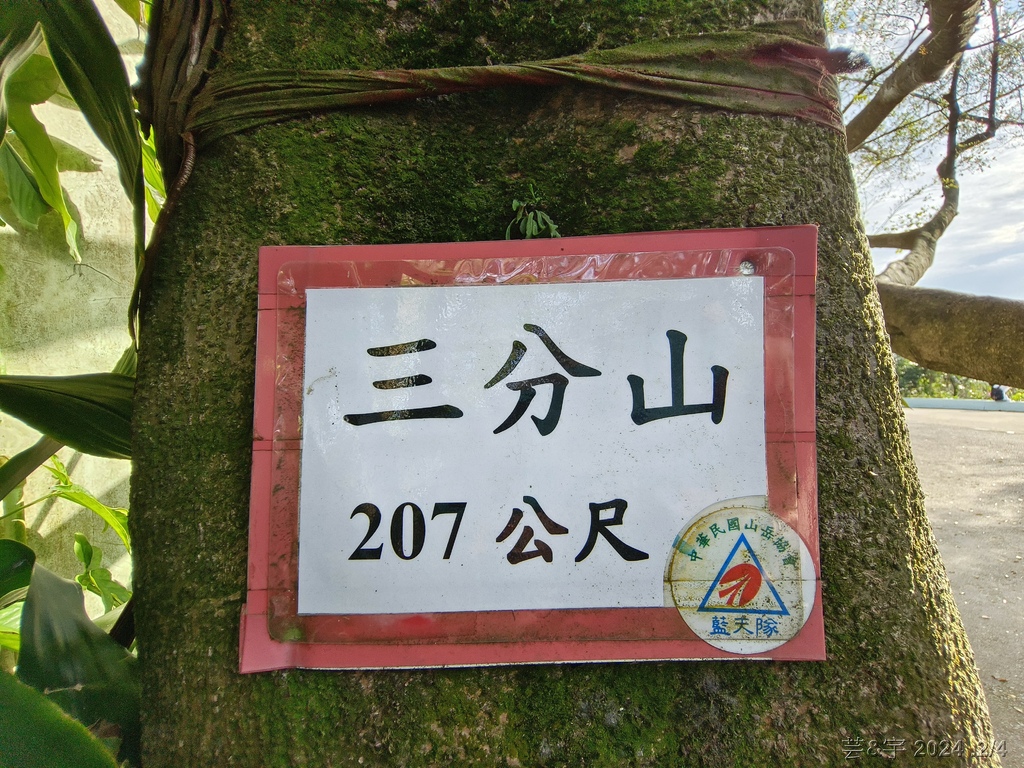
(741, 578)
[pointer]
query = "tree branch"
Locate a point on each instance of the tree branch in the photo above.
(923, 241)
(951, 23)
(903, 240)
(993, 90)
(867, 82)
(955, 332)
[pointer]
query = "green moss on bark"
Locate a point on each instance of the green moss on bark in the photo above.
(446, 170)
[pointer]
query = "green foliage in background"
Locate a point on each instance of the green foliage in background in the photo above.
(61, 52)
(916, 381)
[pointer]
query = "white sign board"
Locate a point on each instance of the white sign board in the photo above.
(521, 447)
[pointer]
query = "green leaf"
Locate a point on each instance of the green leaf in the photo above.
(128, 362)
(16, 469)
(133, 8)
(26, 202)
(10, 626)
(12, 521)
(16, 561)
(41, 158)
(35, 733)
(115, 517)
(86, 673)
(90, 65)
(90, 413)
(35, 81)
(69, 157)
(83, 550)
(19, 37)
(156, 193)
(101, 583)
(107, 621)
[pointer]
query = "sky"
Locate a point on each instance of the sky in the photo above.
(982, 252)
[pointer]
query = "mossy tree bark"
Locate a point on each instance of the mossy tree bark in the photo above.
(899, 665)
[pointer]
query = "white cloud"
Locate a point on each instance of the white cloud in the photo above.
(983, 249)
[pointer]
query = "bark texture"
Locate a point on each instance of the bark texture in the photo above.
(899, 663)
(955, 332)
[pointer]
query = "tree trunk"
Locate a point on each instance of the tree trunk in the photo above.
(899, 666)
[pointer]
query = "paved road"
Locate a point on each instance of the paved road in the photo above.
(971, 465)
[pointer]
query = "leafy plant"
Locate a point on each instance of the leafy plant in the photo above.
(97, 579)
(12, 512)
(69, 661)
(916, 381)
(530, 220)
(66, 656)
(66, 488)
(63, 52)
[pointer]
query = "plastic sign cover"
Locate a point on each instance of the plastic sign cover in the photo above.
(570, 450)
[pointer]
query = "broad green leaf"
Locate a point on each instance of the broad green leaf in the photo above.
(90, 413)
(10, 626)
(90, 65)
(19, 37)
(153, 204)
(35, 81)
(156, 194)
(16, 561)
(101, 583)
(84, 551)
(107, 621)
(17, 468)
(128, 362)
(12, 520)
(115, 517)
(35, 733)
(41, 158)
(86, 673)
(14, 596)
(26, 202)
(133, 8)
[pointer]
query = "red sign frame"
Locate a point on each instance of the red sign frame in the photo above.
(275, 636)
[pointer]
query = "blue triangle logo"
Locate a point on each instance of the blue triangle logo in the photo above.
(744, 577)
